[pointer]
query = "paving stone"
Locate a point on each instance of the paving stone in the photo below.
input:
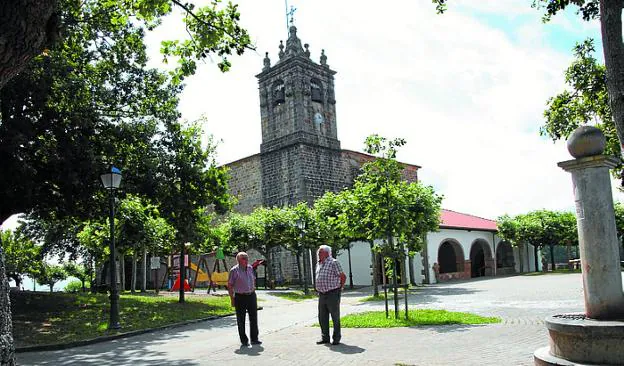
(289, 337)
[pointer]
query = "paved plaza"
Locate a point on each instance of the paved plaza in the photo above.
(289, 337)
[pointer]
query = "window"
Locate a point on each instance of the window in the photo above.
(317, 93)
(278, 93)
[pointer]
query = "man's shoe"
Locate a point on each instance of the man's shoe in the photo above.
(322, 341)
(244, 344)
(335, 342)
(256, 342)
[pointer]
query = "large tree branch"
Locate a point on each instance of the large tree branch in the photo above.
(200, 20)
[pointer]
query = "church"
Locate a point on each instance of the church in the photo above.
(301, 158)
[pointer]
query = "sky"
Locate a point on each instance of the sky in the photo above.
(466, 89)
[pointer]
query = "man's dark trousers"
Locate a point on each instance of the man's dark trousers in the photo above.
(246, 303)
(329, 304)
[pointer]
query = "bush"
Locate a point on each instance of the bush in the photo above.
(75, 286)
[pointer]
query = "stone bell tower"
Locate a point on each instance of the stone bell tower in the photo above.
(300, 152)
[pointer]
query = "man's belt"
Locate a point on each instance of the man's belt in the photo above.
(244, 293)
(334, 290)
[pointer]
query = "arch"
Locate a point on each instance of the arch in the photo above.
(278, 92)
(480, 259)
(450, 257)
(316, 90)
(504, 255)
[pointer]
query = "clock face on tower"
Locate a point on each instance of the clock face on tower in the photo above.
(318, 118)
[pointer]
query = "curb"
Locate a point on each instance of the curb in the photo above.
(61, 346)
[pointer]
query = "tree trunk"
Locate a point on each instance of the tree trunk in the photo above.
(134, 270)
(313, 269)
(299, 268)
(410, 262)
(144, 271)
(552, 256)
(521, 258)
(535, 257)
(7, 348)
(613, 49)
(51, 287)
(375, 271)
(26, 28)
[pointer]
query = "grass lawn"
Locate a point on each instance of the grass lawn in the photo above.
(557, 271)
(294, 295)
(50, 318)
(377, 319)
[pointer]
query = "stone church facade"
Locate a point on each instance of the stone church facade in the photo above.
(300, 156)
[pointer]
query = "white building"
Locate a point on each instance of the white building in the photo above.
(466, 246)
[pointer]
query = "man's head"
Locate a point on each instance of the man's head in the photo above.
(323, 252)
(242, 258)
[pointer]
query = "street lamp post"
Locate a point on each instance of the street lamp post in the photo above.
(111, 181)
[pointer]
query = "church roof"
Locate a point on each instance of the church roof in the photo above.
(456, 220)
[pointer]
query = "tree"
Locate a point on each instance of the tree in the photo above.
(276, 229)
(609, 13)
(22, 256)
(391, 208)
(191, 182)
(141, 228)
(86, 102)
(81, 271)
(337, 218)
(539, 228)
(586, 103)
(50, 274)
(29, 27)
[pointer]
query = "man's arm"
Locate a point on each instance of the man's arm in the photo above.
(343, 276)
(231, 288)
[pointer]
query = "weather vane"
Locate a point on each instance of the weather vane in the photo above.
(290, 15)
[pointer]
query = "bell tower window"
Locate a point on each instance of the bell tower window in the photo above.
(316, 91)
(278, 93)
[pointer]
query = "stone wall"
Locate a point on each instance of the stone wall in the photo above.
(353, 161)
(246, 183)
(281, 177)
(322, 171)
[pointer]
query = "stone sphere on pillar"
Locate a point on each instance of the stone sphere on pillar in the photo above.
(586, 141)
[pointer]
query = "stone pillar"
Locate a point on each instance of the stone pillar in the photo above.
(602, 280)
(467, 272)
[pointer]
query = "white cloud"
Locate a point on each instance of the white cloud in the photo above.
(467, 98)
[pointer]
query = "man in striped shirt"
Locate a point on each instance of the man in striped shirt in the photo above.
(330, 280)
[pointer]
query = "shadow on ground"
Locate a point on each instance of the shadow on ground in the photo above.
(425, 295)
(345, 349)
(249, 351)
(146, 349)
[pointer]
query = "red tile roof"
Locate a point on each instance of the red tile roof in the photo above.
(456, 220)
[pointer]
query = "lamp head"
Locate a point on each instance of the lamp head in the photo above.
(112, 178)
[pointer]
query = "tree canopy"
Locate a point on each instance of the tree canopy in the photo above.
(539, 228)
(213, 30)
(22, 256)
(587, 102)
